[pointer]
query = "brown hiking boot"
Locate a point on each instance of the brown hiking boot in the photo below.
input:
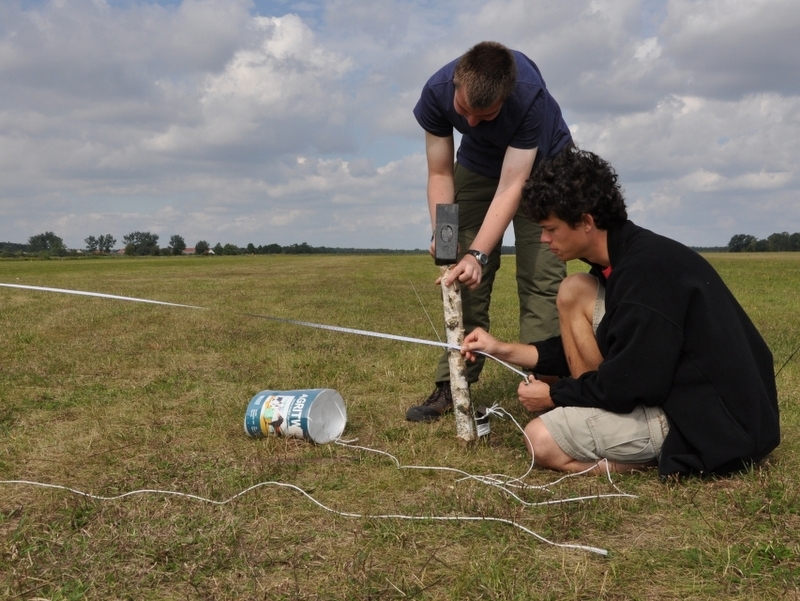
(434, 407)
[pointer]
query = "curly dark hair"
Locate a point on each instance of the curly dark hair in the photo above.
(573, 183)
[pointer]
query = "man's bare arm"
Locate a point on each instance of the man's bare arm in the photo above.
(517, 166)
(441, 189)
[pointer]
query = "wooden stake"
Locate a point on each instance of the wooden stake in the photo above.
(454, 327)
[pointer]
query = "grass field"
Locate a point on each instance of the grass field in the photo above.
(107, 397)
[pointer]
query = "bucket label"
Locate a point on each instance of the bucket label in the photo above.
(296, 412)
(278, 415)
(314, 414)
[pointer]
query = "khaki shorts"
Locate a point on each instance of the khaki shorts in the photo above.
(589, 434)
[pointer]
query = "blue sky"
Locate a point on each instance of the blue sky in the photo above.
(286, 122)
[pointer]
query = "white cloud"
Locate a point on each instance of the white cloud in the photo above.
(709, 181)
(648, 51)
(732, 48)
(207, 120)
(283, 94)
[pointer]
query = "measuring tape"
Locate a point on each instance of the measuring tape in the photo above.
(295, 322)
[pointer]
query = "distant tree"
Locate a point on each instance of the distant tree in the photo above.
(46, 242)
(740, 242)
(106, 243)
(271, 249)
(218, 250)
(230, 249)
(794, 241)
(141, 243)
(201, 247)
(177, 244)
(251, 249)
(759, 246)
(299, 249)
(12, 249)
(779, 242)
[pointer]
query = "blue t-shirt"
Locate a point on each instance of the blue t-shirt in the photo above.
(529, 118)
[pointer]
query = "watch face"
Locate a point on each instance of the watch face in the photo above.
(480, 257)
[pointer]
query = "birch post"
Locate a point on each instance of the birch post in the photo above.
(454, 328)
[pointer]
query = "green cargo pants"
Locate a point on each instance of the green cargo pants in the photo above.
(539, 272)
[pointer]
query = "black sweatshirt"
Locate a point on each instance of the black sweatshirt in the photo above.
(674, 336)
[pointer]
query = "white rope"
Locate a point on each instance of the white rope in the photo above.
(454, 518)
(349, 444)
(503, 482)
(493, 480)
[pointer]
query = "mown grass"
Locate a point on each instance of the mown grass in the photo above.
(107, 397)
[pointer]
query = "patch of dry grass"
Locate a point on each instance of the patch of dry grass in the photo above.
(108, 397)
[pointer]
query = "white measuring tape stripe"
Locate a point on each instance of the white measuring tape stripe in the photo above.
(97, 294)
(279, 319)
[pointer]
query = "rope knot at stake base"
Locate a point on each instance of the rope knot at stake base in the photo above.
(454, 329)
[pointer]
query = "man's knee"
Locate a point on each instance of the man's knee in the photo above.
(577, 290)
(543, 448)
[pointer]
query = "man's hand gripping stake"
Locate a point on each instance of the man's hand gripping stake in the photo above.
(446, 254)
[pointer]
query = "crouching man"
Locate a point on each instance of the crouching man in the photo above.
(658, 362)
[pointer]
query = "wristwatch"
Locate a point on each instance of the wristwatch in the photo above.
(482, 258)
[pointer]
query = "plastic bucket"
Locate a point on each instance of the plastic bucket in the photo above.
(318, 415)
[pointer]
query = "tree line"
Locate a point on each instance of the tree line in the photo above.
(137, 243)
(778, 242)
(146, 244)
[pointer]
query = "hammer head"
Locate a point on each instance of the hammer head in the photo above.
(446, 234)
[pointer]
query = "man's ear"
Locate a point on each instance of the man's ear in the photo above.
(587, 222)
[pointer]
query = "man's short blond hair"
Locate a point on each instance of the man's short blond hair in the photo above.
(488, 73)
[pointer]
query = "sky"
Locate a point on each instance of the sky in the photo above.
(285, 121)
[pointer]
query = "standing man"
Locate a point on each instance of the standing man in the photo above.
(661, 364)
(496, 98)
